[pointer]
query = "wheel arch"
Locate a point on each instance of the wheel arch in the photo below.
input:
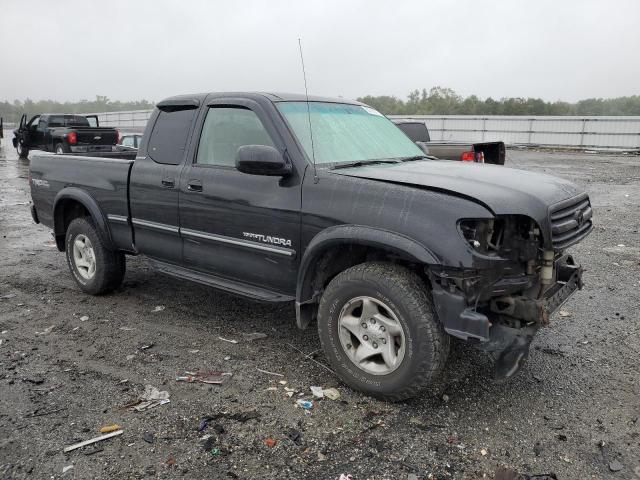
(71, 203)
(337, 248)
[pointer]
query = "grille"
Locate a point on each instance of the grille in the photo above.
(570, 221)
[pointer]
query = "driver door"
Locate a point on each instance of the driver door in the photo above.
(29, 131)
(234, 225)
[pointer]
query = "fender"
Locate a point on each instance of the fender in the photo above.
(81, 196)
(345, 235)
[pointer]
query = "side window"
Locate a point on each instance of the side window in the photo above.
(225, 130)
(169, 136)
(127, 141)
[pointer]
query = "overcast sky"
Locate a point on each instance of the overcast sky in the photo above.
(128, 50)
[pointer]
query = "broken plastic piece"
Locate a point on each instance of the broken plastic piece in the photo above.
(211, 377)
(228, 340)
(331, 393)
(307, 405)
(110, 428)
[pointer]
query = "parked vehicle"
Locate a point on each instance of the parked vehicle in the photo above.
(484, 152)
(390, 253)
(63, 134)
(129, 141)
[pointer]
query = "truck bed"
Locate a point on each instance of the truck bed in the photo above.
(105, 180)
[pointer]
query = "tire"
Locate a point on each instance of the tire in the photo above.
(399, 295)
(60, 149)
(23, 152)
(108, 267)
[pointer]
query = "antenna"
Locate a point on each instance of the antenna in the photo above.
(306, 92)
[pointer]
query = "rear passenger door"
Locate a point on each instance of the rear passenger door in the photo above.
(154, 185)
(234, 225)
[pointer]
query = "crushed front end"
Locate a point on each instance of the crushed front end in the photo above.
(522, 276)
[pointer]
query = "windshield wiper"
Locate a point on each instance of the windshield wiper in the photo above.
(417, 157)
(361, 163)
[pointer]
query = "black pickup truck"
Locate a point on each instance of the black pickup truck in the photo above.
(62, 133)
(484, 152)
(328, 204)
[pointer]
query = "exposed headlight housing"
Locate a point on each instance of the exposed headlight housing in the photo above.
(504, 236)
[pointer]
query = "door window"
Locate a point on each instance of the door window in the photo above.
(225, 130)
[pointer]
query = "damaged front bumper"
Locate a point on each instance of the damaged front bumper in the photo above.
(504, 325)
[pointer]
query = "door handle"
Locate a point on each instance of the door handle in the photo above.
(194, 186)
(168, 182)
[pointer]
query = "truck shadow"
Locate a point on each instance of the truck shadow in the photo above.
(468, 371)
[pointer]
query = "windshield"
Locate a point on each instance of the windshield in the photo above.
(346, 133)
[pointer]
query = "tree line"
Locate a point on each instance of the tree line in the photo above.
(436, 101)
(11, 112)
(445, 101)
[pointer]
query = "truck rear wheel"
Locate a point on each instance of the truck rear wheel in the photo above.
(95, 269)
(380, 332)
(23, 152)
(60, 149)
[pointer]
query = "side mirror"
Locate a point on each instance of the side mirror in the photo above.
(261, 160)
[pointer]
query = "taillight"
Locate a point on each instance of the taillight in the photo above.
(72, 138)
(468, 156)
(117, 136)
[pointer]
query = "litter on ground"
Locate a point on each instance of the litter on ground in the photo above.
(211, 377)
(92, 440)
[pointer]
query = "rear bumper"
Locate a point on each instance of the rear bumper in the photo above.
(91, 148)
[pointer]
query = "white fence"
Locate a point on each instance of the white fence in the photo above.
(577, 132)
(135, 120)
(574, 132)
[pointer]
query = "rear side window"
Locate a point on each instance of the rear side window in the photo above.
(169, 136)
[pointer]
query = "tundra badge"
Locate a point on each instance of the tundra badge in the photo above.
(267, 239)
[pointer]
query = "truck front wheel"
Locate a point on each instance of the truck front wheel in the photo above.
(95, 269)
(23, 152)
(380, 332)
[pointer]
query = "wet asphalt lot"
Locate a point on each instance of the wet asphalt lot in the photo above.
(574, 410)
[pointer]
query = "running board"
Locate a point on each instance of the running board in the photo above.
(232, 286)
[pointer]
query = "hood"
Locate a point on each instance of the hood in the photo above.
(503, 190)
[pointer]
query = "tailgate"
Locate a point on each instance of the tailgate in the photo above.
(97, 135)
